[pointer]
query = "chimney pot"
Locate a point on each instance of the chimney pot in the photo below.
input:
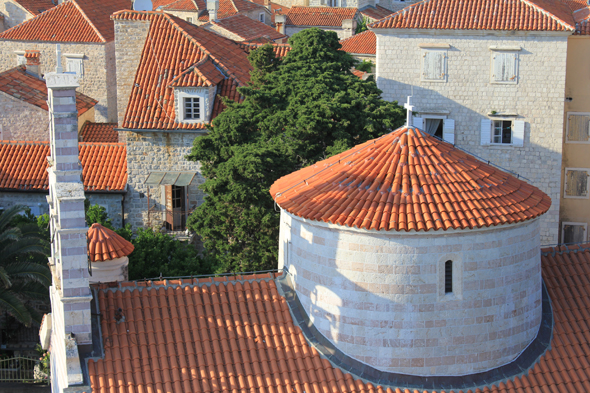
(281, 21)
(33, 62)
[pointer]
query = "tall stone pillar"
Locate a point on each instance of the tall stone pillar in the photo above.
(70, 290)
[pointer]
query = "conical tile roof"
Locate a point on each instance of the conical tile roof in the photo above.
(408, 180)
(105, 245)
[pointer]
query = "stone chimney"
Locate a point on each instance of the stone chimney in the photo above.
(70, 291)
(281, 21)
(213, 9)
(348, 28)
(33, 62)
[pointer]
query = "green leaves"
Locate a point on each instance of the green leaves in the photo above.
(296, 111)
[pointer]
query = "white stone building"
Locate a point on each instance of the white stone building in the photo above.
(489, 83)
(86, 35)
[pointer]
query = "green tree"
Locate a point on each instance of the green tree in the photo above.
(23, 273)
(361, 25)
(296, 111)
(98, 214)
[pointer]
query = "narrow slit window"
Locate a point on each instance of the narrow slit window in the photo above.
(448, 276)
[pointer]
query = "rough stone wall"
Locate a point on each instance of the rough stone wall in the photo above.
(130, 38)
(13, 13)
(21, 121)
(112, 202)
(380, 297)
(96, 81)
(469, 97)
(157, 152)
(222, 32)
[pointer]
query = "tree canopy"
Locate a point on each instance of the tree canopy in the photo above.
(297, 110)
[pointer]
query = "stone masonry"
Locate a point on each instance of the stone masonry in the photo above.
(99, 80)
(380, 297)
(21, 121)
(13, 13)
(468, 97)
(157, 152)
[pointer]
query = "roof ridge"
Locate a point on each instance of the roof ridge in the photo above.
(215, 61)
(88, 20)
(549, 14)
(402, 11)
(194, 67)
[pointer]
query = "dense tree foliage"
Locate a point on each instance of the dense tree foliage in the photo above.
(296, 111)
(24, 275)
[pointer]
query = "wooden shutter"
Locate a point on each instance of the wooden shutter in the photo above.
(504, 67)
(449, 130)
(576, 183)
(573, 233)
(578, 128)
(518, 133)
(169, 207)
(486, 129)
(418, 122)
(434, 65)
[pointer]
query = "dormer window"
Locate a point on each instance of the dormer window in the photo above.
(192, 108)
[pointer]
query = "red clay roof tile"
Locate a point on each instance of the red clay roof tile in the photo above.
(35, 7)
(280, 50)
(248, 29)
(177, 46)
(231, 7)
(105, 245)
(24, 86)
(375, 13)
(364, 43)
(319, 16)
(182, 5)
(408, 180)
(23, 166)
(275, 9)
(70, 21)
(242, 338)
(528, 15)
(99, 132)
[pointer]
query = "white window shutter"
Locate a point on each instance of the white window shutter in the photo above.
(509, 67)
(426, 70)
(439, 70)
(518, 133)
(449, 130)
(418, 122)
(486, 129)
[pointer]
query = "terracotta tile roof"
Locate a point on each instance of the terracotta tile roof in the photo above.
(26, 87)
(280, 50)
(35, 7)
(364, 43)
(528, 15)
(319, 16)
(182, 5)
(375, 13)
(248, 29)
(99, 132)
(70, 21)
(23, 166)
(231, 7)
(174, 47)
(275, 9)
(237, 335)
(105, 245)
(359, 74)
(408, 180)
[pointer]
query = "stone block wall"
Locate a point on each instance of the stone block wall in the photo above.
(130, 37)
(21, 121)
(13, 13)
(222, 32)
(157, 152)
(98, 77)
(380, 297)
(468, 97)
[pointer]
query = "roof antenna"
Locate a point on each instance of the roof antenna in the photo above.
(58, 68)
(408, 105)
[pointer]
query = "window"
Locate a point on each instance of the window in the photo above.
(192, 108)
(438, 126)
(189, 19)
(573, 232)
(261, 17)
(505, 132)
(448, 276)
(576, 183)
(434, 65)
(20, 59)
(75, 64)
(175, 207)
(331, 3)
(504, 67)
(578, 127)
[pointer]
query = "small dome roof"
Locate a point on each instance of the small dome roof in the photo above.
(105, 245)
(408, 180)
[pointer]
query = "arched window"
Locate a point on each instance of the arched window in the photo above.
(448, 276)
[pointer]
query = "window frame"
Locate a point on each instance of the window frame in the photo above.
(262, 17)
(193, 99)
(504, 50)
(20, 58)
(492, 132)
(587, 196)
(425, 50)
(567, 126)
(456, 277)
(75, 57)
(189, 19)
(564, 223)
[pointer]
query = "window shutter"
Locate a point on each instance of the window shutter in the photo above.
(518, 133)
(434, 65)
(418, 122)
(449, 130)
(439, 69)
(509, 67)
(578, 128)
(426, 69)
(486, 129)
